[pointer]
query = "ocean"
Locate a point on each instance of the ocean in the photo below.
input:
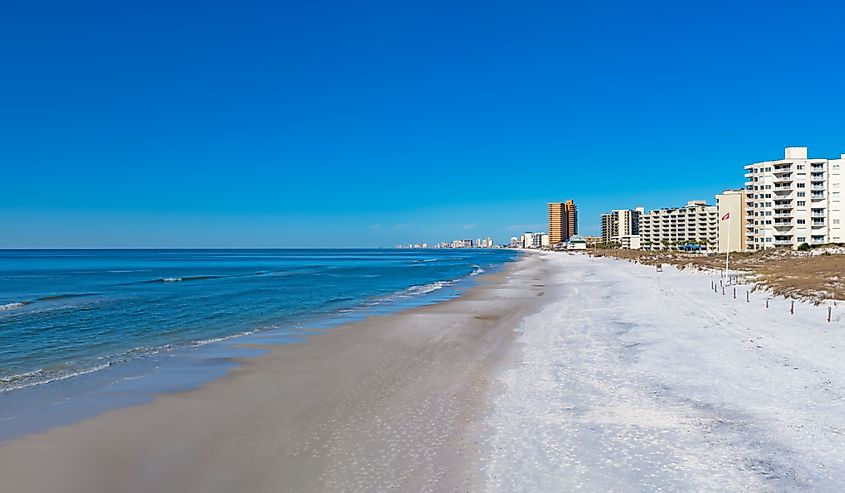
(81, 320)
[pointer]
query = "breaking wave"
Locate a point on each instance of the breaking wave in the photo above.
(12, 306)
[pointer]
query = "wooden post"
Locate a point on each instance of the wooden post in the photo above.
(734, 293)
(829, 311)
(792, 308)
(723, 290)
(747, 297)
(767, 302)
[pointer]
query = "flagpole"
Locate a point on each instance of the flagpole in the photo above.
(728, 248)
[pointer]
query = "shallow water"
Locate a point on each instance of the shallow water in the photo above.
(119, 325)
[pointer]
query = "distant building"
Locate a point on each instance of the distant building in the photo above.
(576, 243)
(530, 240)
(692, 227)
(795, 200)
(629, 242)
(732, 220)
(563, 221)
(544, 240)
(592, 241)
(619, 224)
(514, 243)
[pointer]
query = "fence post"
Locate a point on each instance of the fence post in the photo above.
(747, 297)
(829, 310)
(734, 293)
(723, 290)
(792, 308)
(767, 302)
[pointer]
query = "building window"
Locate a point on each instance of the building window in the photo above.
(800, 185)
(802, 203)
(802, 239)
(801, 194)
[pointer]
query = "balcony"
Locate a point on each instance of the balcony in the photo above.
(782, 214)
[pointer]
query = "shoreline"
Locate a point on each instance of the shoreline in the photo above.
(561, 372)
(407, 388)
(37, 407)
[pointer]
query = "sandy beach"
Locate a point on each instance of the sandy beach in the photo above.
(391, 402)
(563, 372)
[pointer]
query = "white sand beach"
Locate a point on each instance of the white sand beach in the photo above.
(634, 380)
(562, 373)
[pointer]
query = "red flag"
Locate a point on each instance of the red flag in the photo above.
(726, 216)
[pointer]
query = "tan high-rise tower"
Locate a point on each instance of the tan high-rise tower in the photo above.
(563, 221)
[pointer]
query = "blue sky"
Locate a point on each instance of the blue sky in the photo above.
(276, 124)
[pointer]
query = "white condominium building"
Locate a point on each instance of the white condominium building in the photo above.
(681, 227)
(794, 200)
(533, 240)
(620, 225)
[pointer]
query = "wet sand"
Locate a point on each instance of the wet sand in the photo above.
(394, 402)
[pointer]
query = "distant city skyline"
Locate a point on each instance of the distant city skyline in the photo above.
(376, 124)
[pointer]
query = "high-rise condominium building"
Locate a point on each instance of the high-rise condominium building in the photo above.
(563, 221)
(621, 224)
(794, 200)
(732, 220)
(679, 227)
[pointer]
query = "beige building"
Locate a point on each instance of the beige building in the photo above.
(731, 205)
(563, 221)
(794, 200)
(693, 226)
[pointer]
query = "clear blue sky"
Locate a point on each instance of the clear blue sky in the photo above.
(283, 124)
